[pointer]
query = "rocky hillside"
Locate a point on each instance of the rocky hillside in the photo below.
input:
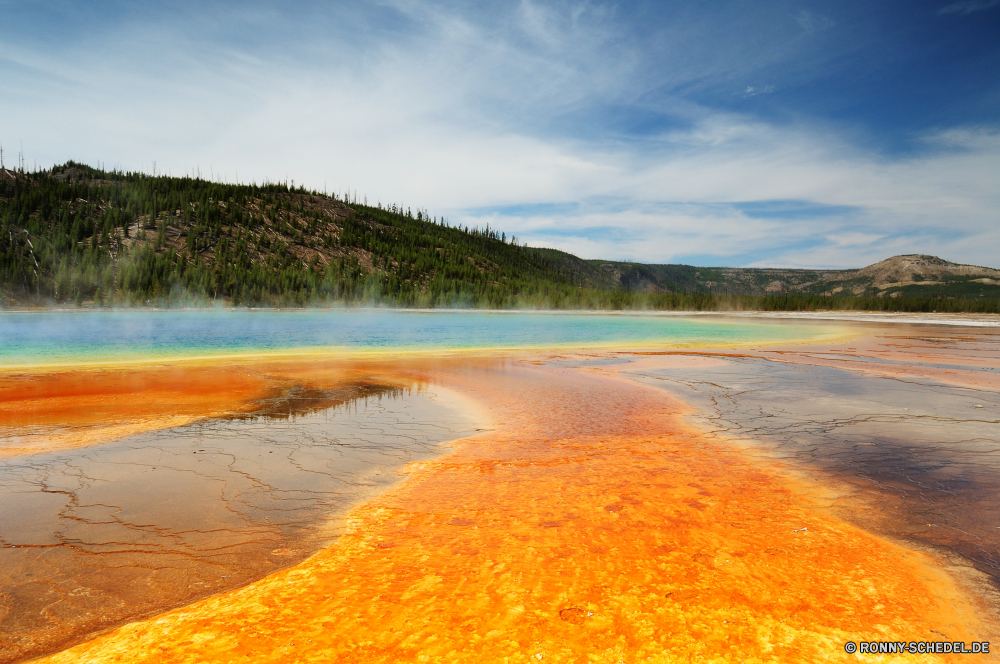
(901, 272)
(78, 235)
(914, 275)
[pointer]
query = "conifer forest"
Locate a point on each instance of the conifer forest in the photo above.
(80, 236)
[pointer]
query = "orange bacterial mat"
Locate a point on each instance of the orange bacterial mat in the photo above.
(79, 407)
(590, 525)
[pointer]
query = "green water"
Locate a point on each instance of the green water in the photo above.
(122, 336)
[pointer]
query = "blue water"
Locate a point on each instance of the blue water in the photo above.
(100, 336)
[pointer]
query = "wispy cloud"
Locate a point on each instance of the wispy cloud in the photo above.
(752, 193)
(523, 115)
(813, 22)
(968, 6)
(752, 91)
(854, 239)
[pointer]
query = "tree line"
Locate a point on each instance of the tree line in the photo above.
(76, 234)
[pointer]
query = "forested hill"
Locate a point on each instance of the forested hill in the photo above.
(910, 276)
(80, 235)
(77, 234)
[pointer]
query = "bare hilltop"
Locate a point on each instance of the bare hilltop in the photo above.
(910, 275)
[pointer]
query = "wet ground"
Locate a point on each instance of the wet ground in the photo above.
(911, 423)
(95, 536)
(731, 504)
(592, 524)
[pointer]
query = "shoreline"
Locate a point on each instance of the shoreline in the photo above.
(849, 325)
(222, 369)
(824, 314)
(354, 354)
(818, 314)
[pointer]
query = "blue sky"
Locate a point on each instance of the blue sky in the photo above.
(773, 133)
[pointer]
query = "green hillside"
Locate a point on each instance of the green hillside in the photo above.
(81, 235)
(78, 235)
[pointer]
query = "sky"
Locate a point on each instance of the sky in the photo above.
(769, 133)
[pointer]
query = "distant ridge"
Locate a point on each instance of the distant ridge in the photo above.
(924, 270)
(83, 236)
(911, 275)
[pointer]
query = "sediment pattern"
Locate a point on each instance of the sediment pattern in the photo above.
(911, 421)
(93, 537)
(592, 525)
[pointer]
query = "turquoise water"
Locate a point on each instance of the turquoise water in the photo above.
(102, 336)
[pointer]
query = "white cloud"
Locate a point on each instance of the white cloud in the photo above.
(941, 202)
(853, 239)
(456, 116)
(813, 22)
(968, 6)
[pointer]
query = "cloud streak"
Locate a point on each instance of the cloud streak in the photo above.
(589, 127)
(968, 7)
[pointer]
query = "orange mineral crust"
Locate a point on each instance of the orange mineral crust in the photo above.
(41, 412)
(591, 525)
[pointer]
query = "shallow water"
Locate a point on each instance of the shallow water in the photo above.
(591, 524)
(96, 536)
(115, 336)
(590, 520)
(923, 454)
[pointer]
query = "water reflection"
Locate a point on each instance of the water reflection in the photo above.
(92, 537)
